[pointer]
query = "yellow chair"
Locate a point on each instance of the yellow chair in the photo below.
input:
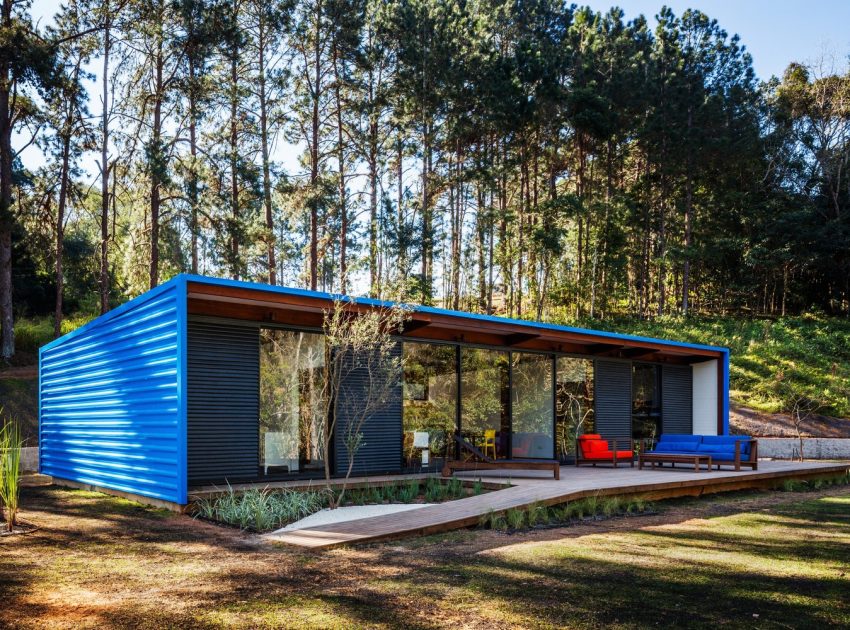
(490, 442)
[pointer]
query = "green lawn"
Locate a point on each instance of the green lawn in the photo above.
(768, 559)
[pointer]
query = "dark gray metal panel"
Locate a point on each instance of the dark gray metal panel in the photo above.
(223, 409)
(380, 449)
(613, 398)
(677, 399)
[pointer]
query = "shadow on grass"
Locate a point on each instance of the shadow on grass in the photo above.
(180, 573)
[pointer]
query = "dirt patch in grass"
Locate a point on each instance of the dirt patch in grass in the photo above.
(762, 424)
(102, 561)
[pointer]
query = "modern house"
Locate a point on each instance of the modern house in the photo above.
(205, 380)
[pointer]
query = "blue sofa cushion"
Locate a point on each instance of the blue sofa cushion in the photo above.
(680, 438)
(718, 451)
(677, 443)
(676, 447)
(728, 441)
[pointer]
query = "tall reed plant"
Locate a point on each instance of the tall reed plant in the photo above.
(11, 443)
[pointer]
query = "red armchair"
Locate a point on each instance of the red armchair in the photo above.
(592, 448)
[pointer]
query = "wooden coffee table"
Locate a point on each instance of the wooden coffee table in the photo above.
(674, 458)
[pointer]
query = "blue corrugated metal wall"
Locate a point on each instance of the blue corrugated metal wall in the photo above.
(111, 399)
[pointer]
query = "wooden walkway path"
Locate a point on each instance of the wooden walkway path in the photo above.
(532, 488)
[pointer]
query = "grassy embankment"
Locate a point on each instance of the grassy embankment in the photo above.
(772, 360)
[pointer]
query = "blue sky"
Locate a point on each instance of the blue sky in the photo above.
(775, 32)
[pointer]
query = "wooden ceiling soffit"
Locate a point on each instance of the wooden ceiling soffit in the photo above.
(510, 333)
(514, 339)
(414, 325)
(601, 348)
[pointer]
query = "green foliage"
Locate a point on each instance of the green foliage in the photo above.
(538, 514)
(805, 485)
(260, 510)
(32, 333)
(477, 487)
(515, 518)
(772, 361)
(409, 491)
(11, 443)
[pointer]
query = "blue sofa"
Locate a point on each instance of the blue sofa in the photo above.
(728, 450)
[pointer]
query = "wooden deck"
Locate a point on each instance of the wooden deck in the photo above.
(534, 487)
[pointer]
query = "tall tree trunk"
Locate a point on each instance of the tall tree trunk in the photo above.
(7, 330)
(402, 224)
(193, 168)
(264, 140)
(105, 167)
(427, 245)
(314, 151)
(481, 234)
(234, 164)
(156, 175)
(372, 161)
(64, 176)
(689, 209)
(341, 190)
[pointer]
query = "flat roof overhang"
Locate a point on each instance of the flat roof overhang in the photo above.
(247, 301)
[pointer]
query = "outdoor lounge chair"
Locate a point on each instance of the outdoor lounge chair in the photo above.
(592, 448)
(479, 461)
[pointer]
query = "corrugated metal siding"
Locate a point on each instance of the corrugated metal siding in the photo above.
(614, 398)
(677, 399)
(108, 396)
(223, 403)
(380, 450)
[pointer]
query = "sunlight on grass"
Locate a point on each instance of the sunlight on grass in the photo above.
(811, 352)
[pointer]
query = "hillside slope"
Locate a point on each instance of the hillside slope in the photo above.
(772, 361)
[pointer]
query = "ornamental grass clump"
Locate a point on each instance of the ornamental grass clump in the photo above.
(261, 510)
(11, 443)
(408, 492)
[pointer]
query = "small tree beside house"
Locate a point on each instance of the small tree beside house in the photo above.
(360, 347)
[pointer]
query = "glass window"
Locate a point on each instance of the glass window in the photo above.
(573, 403)
(485, 399)
(430, 398)
(292, 421)
(646, 401)
(532, 407)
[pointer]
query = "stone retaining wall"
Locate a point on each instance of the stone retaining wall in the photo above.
(813, 448)
(29, 459)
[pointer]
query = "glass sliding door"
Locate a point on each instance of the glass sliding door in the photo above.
(532, 406)
(485, 400)
(430, 400)
(292, 409)
(646, 401)
(574, 399)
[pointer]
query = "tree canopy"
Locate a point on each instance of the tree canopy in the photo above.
(535, 159)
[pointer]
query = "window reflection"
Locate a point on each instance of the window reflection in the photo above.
(532, 406)
(646, 401)
(485, 399)
(291, 406)
(574, 403)
(430, 399)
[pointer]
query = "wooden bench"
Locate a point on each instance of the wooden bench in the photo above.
(480, 461)
(673, 459)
